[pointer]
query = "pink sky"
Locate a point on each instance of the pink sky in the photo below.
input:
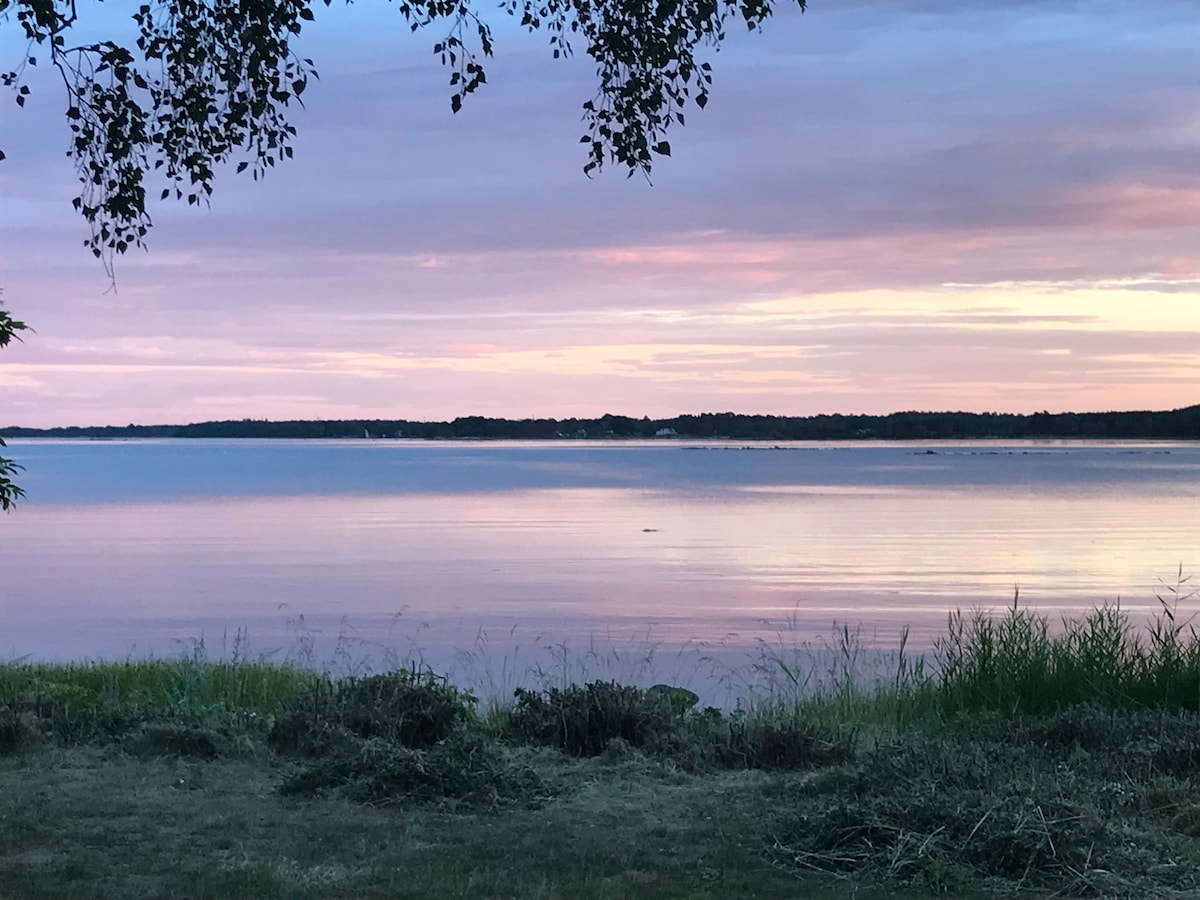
(886, 205)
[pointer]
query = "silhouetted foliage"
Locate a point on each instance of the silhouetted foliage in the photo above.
(10, 492)
(209, 82)
(1179, 424)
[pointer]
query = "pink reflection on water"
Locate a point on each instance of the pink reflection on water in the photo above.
(687, 585)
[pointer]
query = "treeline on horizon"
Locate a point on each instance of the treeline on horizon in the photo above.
(1177, 424)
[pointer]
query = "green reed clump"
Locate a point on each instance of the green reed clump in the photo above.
(1018, 664)
(842, 685)
(191, 683)
(146, 699)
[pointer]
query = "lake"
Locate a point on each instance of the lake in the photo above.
(642, 560)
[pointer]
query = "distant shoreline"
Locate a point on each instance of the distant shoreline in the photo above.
(1178, 424)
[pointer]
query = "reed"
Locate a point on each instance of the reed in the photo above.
(1026, 754)
(1019, 665)
(191, 684)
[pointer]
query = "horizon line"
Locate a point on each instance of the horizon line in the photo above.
(907, 412)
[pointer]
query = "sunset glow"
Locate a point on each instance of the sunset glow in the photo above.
(884, 207)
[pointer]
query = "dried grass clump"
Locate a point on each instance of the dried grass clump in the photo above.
(405, 736)
(463, 770)
(1056, 805)
(182, 740)
(1141, 743)
(28, 719)
(779, 740)
(19, 732)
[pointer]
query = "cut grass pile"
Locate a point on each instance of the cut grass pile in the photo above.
(1086, 802)
(1058, 761)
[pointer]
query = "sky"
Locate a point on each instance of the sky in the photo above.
(886, 205)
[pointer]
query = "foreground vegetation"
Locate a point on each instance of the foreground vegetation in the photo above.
(1032, 759)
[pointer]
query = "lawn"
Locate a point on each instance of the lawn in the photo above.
(1033, 760)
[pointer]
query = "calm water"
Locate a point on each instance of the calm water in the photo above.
(440, 549)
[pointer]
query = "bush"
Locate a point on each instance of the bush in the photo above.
(408, 707)
(601, 717)
(582, 721)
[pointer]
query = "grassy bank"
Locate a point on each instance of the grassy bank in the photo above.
(1035, 757)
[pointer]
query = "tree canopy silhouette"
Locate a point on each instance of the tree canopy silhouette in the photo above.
(208, 82)
(9, 491)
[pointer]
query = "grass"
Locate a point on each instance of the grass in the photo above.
(1019, 665)
(1030, 757)
(189, 683)
(1086, 802)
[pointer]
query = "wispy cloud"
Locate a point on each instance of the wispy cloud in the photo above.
(886, 205)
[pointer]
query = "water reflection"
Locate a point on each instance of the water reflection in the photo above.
(652, 546)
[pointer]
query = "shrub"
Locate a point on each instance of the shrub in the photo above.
(605, 718)
(409, 707)
(582, 721)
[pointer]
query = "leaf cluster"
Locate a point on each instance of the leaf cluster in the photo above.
(206, 81)
(10, 492)
(210, 82)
